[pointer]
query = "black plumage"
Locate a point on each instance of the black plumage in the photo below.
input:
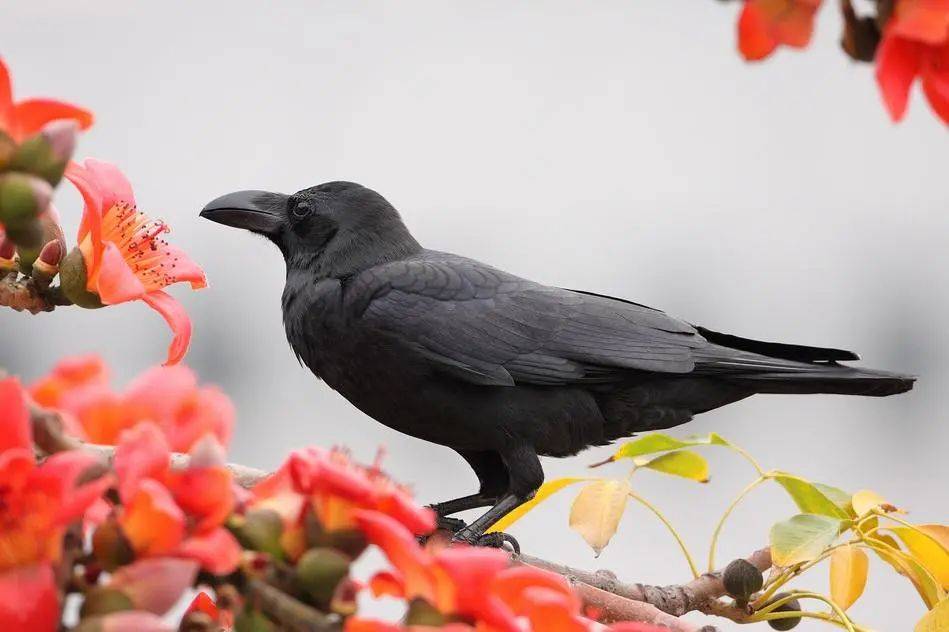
(496, 367)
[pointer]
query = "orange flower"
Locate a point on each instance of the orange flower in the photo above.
(915, 44)
(176, 513)
(335, 488)
(37, 503)
(168, 396)
(23, 119)
(124, 254)
(765, 24)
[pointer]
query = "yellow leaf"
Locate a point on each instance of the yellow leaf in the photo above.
(597, 510)
(907, 566)
(684, 463)
(866, 501)
(936, 620)
(931, 550)
(848, 575)
(546, 490)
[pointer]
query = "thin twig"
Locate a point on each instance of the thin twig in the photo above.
(289, 613)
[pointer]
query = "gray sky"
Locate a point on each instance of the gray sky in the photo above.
(620, 147)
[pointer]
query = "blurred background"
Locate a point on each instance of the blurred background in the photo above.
(620, 147)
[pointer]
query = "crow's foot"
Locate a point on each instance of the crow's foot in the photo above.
(497, 540)
(453, 525)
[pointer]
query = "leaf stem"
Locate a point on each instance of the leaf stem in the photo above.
(672, 530)
(721, 522)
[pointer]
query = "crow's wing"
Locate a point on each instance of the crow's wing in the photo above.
(489, 327)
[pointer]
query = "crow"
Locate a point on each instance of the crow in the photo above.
(494, 366)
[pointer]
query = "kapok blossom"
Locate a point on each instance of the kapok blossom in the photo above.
(477, 587)
(37, 503)
(334, 489)
(765, 24)
(915, 45)
(168, 396)
(175, 513)
(125, 255)
(20, 120)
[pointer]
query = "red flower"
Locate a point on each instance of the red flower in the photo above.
(336, 489)
(172, 513)
(37, 503)
(23, 119)
(125, 256)
(765, 24)
(476, 584)
(168, 396)
(915, 44)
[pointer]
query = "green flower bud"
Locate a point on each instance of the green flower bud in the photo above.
(22, 198)
(261, 530)
(7, 148)
(319, 571)
(72, 279)
(104, 600)
(47, 153)
(421, 612)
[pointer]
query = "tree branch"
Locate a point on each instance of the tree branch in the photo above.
(601, 590)
(23, 294)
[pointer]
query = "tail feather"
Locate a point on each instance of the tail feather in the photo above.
(829, 378)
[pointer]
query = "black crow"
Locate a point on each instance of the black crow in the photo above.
(496, 367)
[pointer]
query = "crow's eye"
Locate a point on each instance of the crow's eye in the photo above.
(301, 210)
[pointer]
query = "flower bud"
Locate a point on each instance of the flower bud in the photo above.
(742, 579)
(105, 600)
(352, 542)
(22, 198)
(789, 623)
(7, 254)
(72, 280)
(47, 153)
(261, 531)
(421, 613)
(46, 265)
(319, 571)
(7, 148)
(110, 546)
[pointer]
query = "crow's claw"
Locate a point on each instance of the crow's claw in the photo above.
(454, 525)
(495, 540)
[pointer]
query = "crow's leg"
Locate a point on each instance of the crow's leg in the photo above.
(492, 476)
(526, 475)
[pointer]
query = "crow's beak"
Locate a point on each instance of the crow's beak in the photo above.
(260, 212)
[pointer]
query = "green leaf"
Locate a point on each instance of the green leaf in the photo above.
(802, 538)
(546, 490)
(684, 463)
(809, 498)
(660, 442)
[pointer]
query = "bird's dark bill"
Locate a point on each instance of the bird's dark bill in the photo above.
(261, 212)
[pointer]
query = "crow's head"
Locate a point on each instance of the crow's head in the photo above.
(335, 228)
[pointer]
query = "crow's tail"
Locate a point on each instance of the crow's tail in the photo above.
(828, 378)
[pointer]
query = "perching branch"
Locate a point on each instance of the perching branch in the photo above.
(601, 590)
(23, 294)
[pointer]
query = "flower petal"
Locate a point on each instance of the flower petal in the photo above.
(403, 551)
(898, 63)
(936, 81)
(162, 391)
(112, 184)
(205, 493)
(6, 96)
(754, 39)
(552, 611)
(152, 521)
(155, 584)
(68, 375)
(177, 318)
(184, 269)
(142, 454)
(511, 583)
(28, 599)
(133, 620)
(32, 114)
(92, 211)
(203, 602)
(15, 428)
(116, 282)
(218, 551)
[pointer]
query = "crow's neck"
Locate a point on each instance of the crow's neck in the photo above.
(353, 251)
